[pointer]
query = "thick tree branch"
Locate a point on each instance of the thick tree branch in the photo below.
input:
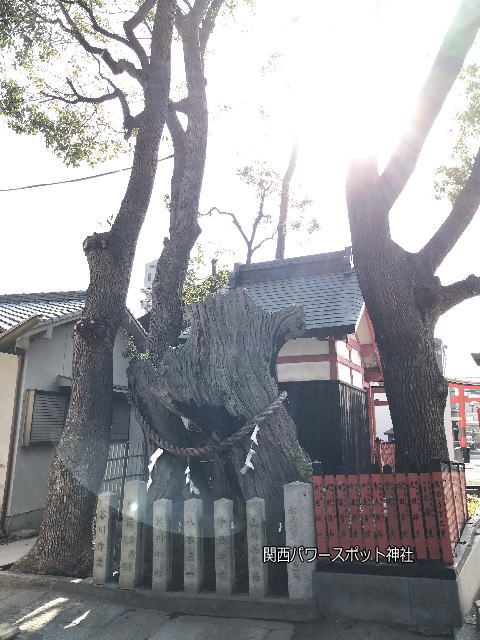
(260, 214)
(197, 12)
(457, 292)
(182, 106)
(446, 67)
(131, 24)
(95, 24)
(208, 23)
(116, 66)
(445, 238)
(179, 140)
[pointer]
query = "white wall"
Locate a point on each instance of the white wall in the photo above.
(303, 371)
(383, 420)
(45, 360)
(8, 378)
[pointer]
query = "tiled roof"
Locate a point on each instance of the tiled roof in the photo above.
(15, 308)
(324, 285)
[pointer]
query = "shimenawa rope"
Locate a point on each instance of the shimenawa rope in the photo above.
(214, 446)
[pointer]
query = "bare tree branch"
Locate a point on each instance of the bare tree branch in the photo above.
(263, 241)
(446, 67)
(457, 292)
(235, 222)
(116, 66)
(131, 24)
(95, 24)
(464, 209)
(260, 214)
(80, 98)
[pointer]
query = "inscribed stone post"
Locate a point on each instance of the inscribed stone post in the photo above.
(299, 532)
(162, 545)
(256, 540)
(193, 545)
(224, 549)
(107, 511)
(131, 555)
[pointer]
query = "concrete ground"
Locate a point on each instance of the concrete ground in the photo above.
(42, 614)
(12, 550)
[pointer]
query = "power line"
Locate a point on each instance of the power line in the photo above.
(97, 175)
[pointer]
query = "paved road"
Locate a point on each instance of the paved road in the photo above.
(52, 615)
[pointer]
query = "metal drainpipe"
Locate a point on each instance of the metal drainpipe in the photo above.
(13, 437)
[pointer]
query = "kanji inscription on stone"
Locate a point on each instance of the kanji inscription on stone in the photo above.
(256, 540)
(224, 549)
(162, 545)
(134, 515)
(193, 545)
(107, 511)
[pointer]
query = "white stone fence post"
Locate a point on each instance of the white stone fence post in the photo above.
(299, 533)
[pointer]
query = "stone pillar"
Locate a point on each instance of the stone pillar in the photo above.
(107, 512)
(162, 545)
(256, 540)
(193, 545)
(224, 549)
(299, 532)
(134, 512)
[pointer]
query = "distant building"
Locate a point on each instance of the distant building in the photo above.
(150, 269)
(464, 397)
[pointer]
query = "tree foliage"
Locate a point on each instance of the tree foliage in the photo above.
(452, 177)
(57, 77)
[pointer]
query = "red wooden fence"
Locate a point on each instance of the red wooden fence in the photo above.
(425, 512)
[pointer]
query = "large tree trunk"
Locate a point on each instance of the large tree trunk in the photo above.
(64, 545)
(190, 145)
(401, 292)
(403, 303)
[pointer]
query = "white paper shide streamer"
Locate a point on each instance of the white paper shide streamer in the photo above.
(248, 460)
(189, 481)
(153, 460)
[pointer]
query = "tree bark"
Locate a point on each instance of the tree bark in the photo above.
(402, 294)
(64, 545)
(190, 146)
(284, 202)
(404, 311)
(222, 377)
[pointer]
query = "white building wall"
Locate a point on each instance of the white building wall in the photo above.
(303, 371)
(303, 346)
(8, 378)
(46, 358)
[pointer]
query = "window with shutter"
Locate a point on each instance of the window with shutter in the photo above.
(46, 412)
(45, 417)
